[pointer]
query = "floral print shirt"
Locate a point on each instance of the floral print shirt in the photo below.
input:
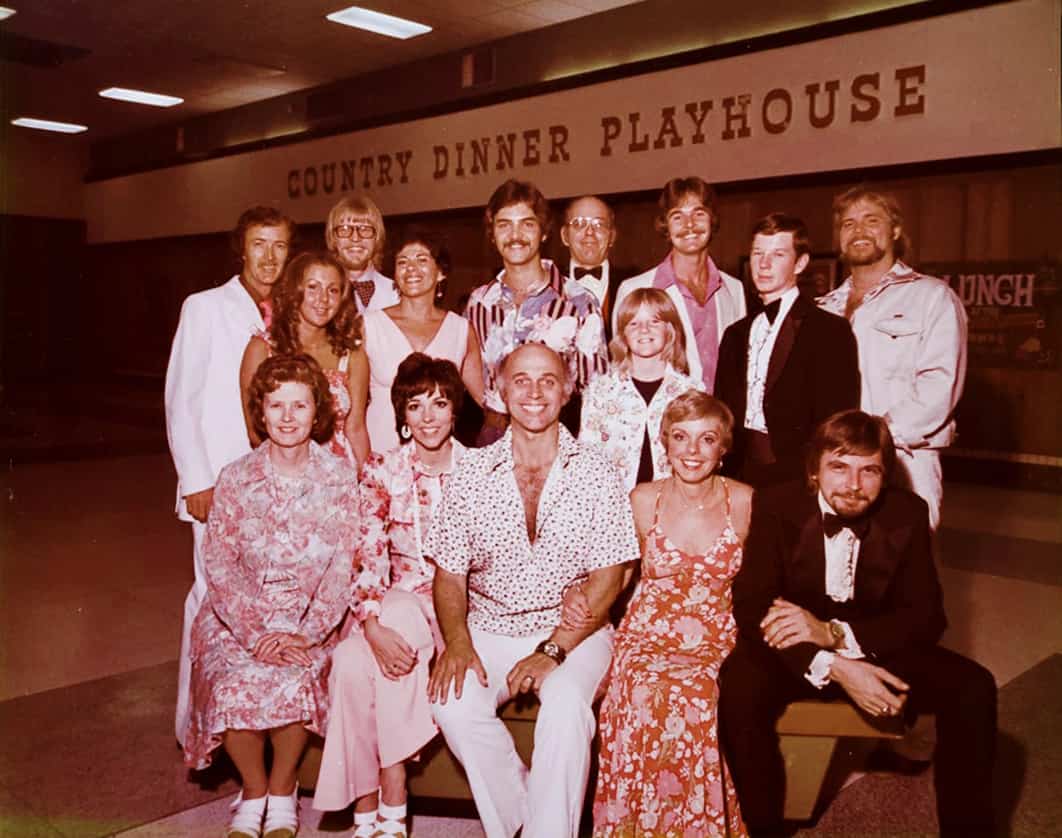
(562, 314)
(616, 417)
(277, 553)
(515, 585)
(396, 493)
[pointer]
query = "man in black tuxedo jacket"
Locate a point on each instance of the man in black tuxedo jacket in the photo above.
(785, 367)
(838, 597)
(589, 232)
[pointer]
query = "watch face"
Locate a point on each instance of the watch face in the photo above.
(551, 649)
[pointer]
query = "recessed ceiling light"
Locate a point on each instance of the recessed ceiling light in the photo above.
(141, 97)
(5, 12)
(394, 27)
(49, 125)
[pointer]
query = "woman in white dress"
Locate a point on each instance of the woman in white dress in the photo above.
(416, 324)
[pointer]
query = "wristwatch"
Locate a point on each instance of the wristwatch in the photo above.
(836, 634)
(552, 650)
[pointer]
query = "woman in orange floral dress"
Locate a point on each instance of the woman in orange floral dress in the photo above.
(661, 772)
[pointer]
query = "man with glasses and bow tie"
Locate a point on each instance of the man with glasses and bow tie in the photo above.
(707, 299)
(589, 232)
(838, 597)
(355, 233)
(786, 367)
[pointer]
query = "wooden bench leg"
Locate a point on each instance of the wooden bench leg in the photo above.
(806, 760)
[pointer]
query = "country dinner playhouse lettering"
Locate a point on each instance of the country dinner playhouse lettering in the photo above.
(865, 98)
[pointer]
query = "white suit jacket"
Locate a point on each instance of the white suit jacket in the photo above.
(729, 308)
(204, 417)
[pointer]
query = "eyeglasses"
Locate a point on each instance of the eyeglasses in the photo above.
(583, 222)
(345, 231)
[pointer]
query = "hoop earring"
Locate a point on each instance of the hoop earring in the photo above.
(405, 432)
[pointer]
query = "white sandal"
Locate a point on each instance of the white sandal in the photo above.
(246, 817)
(364, 825)
(282, 815)
(391, 822)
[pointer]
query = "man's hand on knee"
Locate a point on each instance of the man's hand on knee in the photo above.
(450, 668)
(874, 690)
(529, 673)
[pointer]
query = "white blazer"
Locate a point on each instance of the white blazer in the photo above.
(204, 417)
(729, 308)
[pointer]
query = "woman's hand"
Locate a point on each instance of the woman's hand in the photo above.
(575, 609)
(281, 648)
(394, 656)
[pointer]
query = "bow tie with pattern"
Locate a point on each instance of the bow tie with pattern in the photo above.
(364, 288)
(771, 310)
(580, 272)
(833, 524)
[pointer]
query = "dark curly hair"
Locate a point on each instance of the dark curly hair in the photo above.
(302, 369)
(518, 192)
(435, 245)
(419, 374)
(344, 330)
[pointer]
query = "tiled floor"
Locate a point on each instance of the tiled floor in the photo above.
(94, 569)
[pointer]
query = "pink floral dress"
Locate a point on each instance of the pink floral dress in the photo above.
(277, 557)
(661, 772)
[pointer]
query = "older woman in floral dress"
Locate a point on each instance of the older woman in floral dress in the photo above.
(279, 544)
(380, 712)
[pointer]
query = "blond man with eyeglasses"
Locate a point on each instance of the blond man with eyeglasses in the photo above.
(355, 233)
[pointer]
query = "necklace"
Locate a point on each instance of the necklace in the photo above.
(699, 507)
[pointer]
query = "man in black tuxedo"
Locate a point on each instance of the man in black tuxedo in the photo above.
(785, 367)
(589, 232)
(838, 597)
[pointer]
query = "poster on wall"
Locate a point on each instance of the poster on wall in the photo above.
(1015, 311)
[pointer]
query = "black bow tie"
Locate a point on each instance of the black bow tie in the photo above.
(771, 310)
(579, 273)
(833, 524)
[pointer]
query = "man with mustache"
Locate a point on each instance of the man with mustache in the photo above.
(529, 301)
(911, 332)
(355, 233)
(204, 417)
(838, 597)
(707, 299)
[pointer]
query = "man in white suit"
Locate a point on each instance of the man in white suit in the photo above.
(707, 299)
(204, 417)
(354, 232)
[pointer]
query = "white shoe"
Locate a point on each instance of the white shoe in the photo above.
(246, 817)
(282, 815)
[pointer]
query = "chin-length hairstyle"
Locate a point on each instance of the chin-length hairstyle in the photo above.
(343, 330)
(675, 190)
(889, 205)
(420, 375)
(693, 405)
(850, 432)
(360, 205)
(659, 305)
(301, 369)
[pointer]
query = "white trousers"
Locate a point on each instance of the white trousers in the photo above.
(920, 471)
(548, 800)
(191, 608)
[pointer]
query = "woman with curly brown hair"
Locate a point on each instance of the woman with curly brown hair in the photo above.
(277, 557)
(314, 313)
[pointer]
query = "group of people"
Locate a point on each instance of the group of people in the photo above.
(699, 511)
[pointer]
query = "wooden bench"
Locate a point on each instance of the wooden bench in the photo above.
(809, 732)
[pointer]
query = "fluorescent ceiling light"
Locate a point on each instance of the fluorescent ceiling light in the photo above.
(141, 97)
(394, 27)
(5, 12)
(49, 125)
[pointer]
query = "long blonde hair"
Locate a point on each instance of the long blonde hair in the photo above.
(660, 305)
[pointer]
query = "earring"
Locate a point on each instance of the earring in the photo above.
(405, 432)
